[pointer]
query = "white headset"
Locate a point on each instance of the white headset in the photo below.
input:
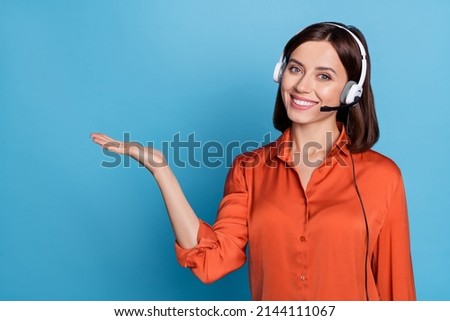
(352, 91)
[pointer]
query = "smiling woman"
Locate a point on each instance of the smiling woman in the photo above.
(304, 244)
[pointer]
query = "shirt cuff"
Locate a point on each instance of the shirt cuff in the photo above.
(206, 239)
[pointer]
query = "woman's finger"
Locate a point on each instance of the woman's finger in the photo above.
(107, 142)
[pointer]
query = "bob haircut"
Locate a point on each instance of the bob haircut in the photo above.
(360, 120)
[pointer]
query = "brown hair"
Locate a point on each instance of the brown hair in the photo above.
(360, 120)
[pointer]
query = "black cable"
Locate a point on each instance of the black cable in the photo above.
(367, 225)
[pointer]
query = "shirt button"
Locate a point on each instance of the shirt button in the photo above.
(302, 239)
(302, 277)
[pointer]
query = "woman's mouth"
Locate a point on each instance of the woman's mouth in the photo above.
(302, 104)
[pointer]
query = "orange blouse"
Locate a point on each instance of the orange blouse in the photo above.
(310, 244)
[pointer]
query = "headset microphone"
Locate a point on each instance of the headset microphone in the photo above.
(341, 107)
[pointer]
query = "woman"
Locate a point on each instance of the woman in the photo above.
(324, 217)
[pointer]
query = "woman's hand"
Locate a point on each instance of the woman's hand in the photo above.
(149, 157)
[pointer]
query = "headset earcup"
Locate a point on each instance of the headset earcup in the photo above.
(350, 92)
(278, 72)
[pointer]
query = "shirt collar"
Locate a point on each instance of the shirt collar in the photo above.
(284, 145)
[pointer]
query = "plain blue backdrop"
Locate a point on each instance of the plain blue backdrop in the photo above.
(72, 229)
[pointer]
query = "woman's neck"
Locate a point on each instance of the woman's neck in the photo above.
(313, 141)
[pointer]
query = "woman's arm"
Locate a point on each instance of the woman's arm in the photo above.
(185, 222)
(392, 257)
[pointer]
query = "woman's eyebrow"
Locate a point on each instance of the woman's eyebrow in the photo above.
(327, 69)
(295, 61)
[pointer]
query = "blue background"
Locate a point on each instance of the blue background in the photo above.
(71, 229)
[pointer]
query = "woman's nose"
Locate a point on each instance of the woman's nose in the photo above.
(304, 84)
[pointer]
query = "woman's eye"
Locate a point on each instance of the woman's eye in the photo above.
(294, 69)
(324, 77)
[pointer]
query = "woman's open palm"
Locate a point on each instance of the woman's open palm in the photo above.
(147, 156)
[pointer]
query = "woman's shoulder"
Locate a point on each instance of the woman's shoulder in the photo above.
(378, 162)
(269, 152)
(257, 156)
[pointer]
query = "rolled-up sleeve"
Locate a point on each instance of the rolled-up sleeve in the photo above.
(221, 247)
(394, 270)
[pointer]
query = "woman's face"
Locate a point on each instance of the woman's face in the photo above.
(313, 77)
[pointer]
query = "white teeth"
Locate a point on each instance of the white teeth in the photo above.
(303, 102)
